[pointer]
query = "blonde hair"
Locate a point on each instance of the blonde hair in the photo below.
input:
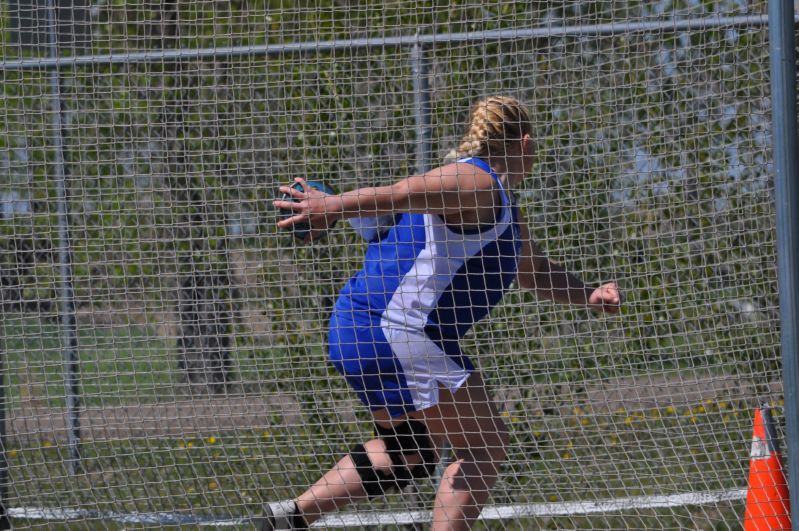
(494, 121)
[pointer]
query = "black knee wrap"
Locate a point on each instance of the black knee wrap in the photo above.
(406, 439)
(409, 438)
(371, 479)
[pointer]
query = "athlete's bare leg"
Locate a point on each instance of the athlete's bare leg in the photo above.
(469, 420)
(342, 484)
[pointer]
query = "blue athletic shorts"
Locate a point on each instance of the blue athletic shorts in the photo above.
(391, 367)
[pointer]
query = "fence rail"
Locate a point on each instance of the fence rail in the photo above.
(405, 41)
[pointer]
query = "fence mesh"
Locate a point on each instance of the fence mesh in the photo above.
(164, 344)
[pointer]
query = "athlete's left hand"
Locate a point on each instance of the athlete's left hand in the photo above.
(606, 298)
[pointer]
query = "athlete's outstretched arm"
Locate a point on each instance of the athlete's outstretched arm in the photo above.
(551, 281)
(446, 190)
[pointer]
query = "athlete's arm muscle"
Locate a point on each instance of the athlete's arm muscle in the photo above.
(548, 279)
(456, 188)
(444, 191)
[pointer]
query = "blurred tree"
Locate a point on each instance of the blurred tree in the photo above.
(205, 294)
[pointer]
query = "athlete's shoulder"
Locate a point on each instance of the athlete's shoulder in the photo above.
(465, 174)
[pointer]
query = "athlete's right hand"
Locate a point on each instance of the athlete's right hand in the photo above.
(309, 206)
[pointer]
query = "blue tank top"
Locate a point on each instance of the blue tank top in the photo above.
(423, 275)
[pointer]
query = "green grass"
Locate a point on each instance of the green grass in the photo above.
(583, 455)
(116, 364)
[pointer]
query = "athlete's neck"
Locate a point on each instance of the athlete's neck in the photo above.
(510, 170)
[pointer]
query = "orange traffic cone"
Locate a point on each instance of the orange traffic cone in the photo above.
(767, 501)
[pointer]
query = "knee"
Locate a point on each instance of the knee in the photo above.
(378, 457)
(497, 443)
(399, 455)
(487, 460)
(476, 469)
(501, 452)
(488, 448)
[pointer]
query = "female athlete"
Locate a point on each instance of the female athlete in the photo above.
(443, 249)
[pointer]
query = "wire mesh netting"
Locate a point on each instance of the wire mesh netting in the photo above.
(165, 345)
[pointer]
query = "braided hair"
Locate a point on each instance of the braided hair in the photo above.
(494, 121)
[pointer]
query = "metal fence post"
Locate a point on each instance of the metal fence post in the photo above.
(424, 135)
(421, 103)
(420, 68)
(5, 523)
(69, 332)
(786, 183)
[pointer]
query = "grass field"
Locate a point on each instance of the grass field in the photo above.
(117, 364)
(231, 474)
(584, 454)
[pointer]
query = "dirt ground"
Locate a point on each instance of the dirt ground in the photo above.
(170, 419)
(201, 416)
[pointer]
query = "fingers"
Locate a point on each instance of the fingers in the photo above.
(607, 298)
(612, 295)
(288, 205)
(296, 194)
(293, 191)
(292, 201)
(301, 204)
(290, 222)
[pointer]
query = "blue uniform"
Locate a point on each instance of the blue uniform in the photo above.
(395, 329)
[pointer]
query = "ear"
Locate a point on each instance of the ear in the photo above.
(528, 144)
